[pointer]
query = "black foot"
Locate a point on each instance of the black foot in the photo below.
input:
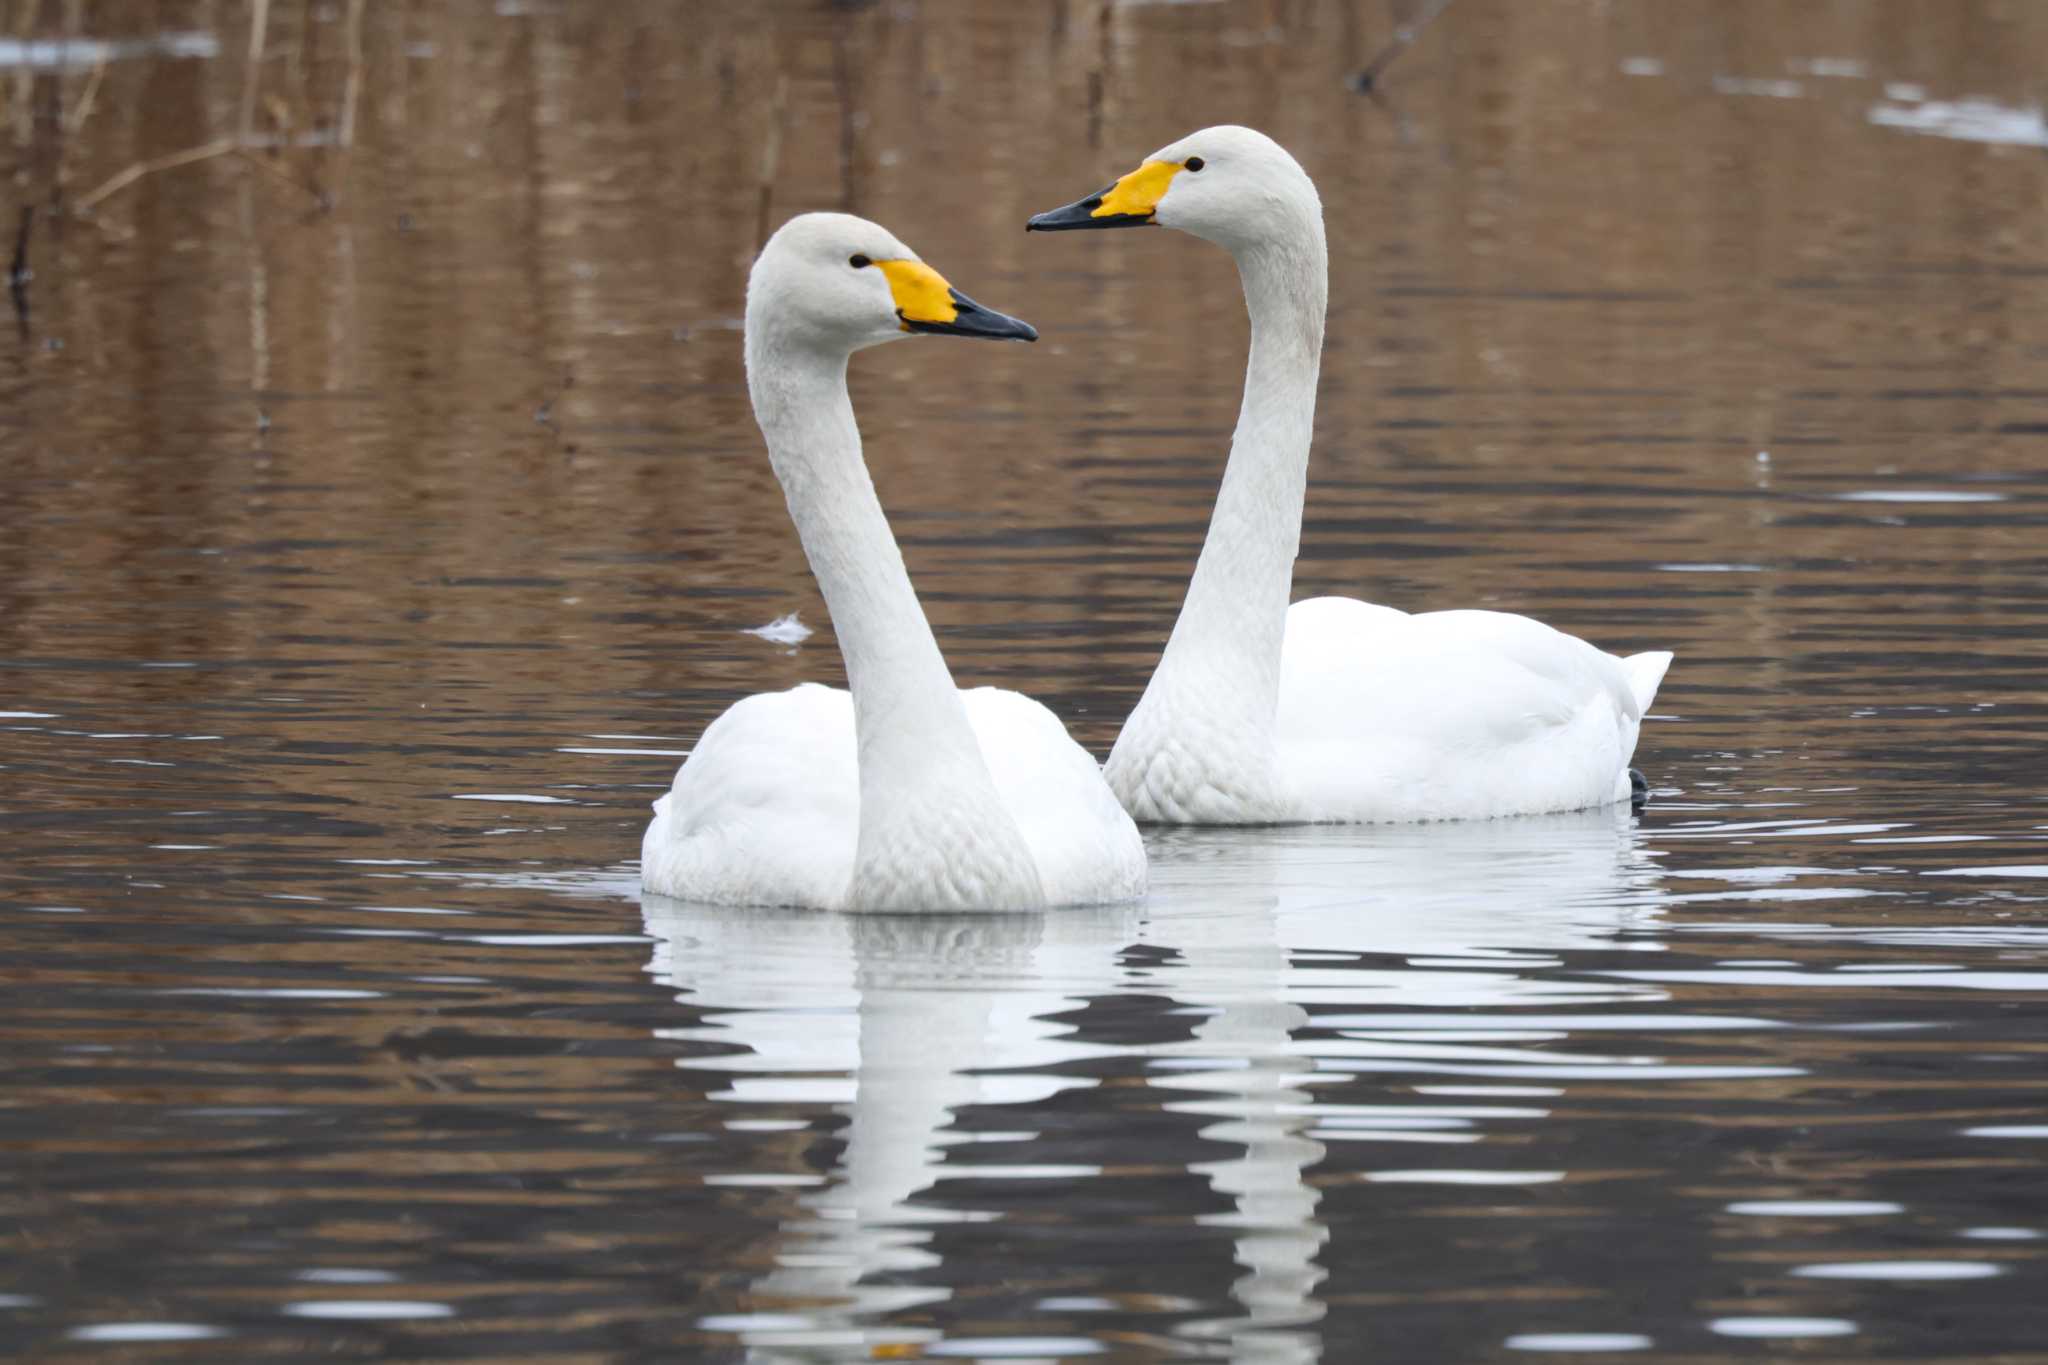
(1638, 789)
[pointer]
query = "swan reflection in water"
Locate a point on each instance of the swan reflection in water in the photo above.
(901, 1021)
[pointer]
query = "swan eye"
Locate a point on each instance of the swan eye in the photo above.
(1193, 163)
(859, 262)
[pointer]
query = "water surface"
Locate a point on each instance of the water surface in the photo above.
(373, 546)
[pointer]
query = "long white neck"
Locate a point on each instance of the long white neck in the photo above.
(1200, 743)
(921, 768)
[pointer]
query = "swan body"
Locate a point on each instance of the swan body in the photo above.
(779, 771)
(1333, 710)
(902, 792)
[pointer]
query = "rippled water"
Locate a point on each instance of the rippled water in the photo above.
(366, 569)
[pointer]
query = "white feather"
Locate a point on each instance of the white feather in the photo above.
(766, 810)
(1334, 709)
(903, 793)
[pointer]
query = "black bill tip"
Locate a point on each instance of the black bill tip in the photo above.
(1081, 214)
(972, 320)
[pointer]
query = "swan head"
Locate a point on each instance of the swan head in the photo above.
(834, 282)
(1233, 186)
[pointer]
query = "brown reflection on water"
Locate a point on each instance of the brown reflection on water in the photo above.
(315, 518)
(1570, 306)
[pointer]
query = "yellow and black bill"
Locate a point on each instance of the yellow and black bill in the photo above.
(1130, 202)
(926, 303)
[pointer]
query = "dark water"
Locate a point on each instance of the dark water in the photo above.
(365, 569)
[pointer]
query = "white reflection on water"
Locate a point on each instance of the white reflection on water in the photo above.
(1782, 1327)
(1815, 1208)
(83, 54)
(146, 1331)
(370, 1310)
(1900, 1270)
(891, 1018)
(1578, 1342)
(1947, 978)
(1969, 120)
(901, 1021)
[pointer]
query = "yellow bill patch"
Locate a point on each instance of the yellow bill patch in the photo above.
(1138, 193)
(921, 293)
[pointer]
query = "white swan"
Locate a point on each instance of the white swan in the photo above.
(1333, 709)
(907, 794)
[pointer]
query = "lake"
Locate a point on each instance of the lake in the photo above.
(383, 519)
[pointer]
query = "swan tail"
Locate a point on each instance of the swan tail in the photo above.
(1645, 672)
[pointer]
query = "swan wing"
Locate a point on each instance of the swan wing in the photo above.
(766, 809)
(1646, 674)
(1450, 715)
(1087, 849)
